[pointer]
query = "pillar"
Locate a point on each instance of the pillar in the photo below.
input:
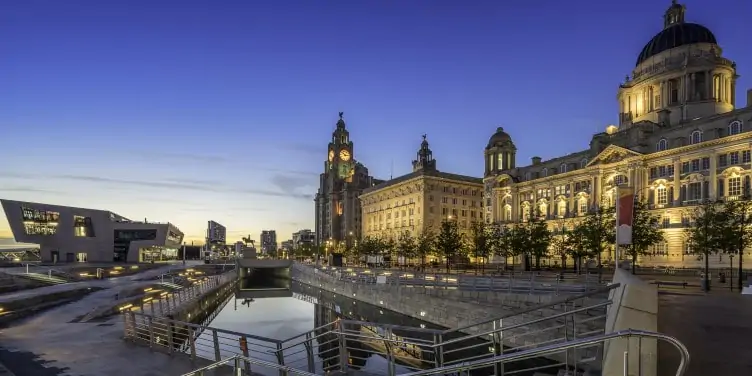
(713, 176)
(677, 181)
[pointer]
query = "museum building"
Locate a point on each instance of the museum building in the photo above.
(67, 234)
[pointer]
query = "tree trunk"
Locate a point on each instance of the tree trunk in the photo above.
(634, 263)
(563, 263)
(537, 262)
(707, 269)
(741, 278)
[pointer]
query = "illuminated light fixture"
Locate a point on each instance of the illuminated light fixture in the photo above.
(126, 307)
(422, 313)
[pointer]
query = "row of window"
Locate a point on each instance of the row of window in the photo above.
(30, 214)
(545, 172)
(735, 127)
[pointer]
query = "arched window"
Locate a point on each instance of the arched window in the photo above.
(582, 206)
(507, 213)
(583, 163)
(735, 127)
(561, 209)
(662, 145)
(528, 176)
(563, 168)
(544, 172)
(695, 137)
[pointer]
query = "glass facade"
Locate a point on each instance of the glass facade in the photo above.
(39, 222)
(123, 239)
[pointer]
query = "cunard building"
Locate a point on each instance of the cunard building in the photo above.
(681, 139)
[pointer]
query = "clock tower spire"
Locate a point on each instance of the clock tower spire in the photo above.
(340, 157)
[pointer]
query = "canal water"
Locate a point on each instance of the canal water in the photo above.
(307, 308)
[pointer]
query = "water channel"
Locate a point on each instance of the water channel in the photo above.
(292, 309)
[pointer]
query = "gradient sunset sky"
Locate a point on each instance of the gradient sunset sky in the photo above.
(186, 111)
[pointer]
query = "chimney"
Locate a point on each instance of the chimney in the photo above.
(749, 98)
(536, 160)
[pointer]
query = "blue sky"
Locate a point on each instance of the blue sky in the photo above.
(186, 111)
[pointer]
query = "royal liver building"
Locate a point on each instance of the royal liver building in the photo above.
(680, 139)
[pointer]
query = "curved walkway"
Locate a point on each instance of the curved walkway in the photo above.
(52, 343)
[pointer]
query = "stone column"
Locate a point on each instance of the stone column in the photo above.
(597, 189)
(713, 176)
(677, 181)
(571, 202)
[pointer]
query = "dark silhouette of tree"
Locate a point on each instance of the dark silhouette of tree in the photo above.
(425, 246)
(537, 239)
(736, 230)
(449, 242)
(480, 243)
(704, 237)
(406, 246)
(596, 232)
(646, 232)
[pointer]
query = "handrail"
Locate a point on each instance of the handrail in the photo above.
(549, 349)
(522, 324)
(237, 359)
(537, 307)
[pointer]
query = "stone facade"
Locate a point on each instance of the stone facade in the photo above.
(681, 139)
(421, 200)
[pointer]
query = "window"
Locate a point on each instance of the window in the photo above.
(662, 196)
(563, 168)
(695, 165)
(695, 137)
(583, 163)
(82, 226)
(582, 205)
(562, 208)
(706, 163)
(722, 160)
(735, 127)
(694, 191)
(544, 172)
(620, 180)
(745, 156)
(507, 212)
(735, 186)
(662, 144)
(734, 157)
(39, 222)
(673, 91)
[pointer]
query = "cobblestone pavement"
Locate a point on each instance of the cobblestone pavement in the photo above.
(716, 328)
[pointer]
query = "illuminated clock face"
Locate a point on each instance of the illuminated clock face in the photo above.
(344, 155)
(331, 155)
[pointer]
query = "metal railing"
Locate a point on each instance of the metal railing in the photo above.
(237, 363)
(341, 344)
(49, 272)
(527, 283)
(160, 303)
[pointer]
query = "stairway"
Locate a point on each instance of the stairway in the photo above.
(46, 278)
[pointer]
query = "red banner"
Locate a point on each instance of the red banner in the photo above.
(624, 214)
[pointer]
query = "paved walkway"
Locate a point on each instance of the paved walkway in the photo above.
(716, 328)
(52, 343)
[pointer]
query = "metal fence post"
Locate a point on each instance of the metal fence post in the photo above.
(151, 332)
(215, 341)
(192, 342)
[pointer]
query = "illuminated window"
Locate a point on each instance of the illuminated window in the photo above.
(735, 127)
(662, 196)
(662, 145)
(695, 137)
(735, 186)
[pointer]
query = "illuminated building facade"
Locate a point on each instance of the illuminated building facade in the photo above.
(338, 214)
(68, 234)
(681, 139)
(421, 200)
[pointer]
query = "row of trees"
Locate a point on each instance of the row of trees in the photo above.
(579, 239)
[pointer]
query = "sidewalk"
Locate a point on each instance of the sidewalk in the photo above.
(102, 283)
(53, 341)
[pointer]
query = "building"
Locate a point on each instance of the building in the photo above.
(680, 139)
(216, 233)
(421, 200)
(287, 246)
(337, 205)
(67, 234)
(303, 238)
(268, 241)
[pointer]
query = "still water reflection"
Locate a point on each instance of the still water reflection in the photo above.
(281, 318)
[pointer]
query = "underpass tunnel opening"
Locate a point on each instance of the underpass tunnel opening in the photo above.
(260, 278)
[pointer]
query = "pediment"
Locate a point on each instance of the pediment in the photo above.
(613, 154)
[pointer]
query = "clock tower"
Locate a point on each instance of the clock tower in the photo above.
(340, 152)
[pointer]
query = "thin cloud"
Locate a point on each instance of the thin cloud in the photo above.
(306, 148)
(166, 184)
(186, 156)
(27, 190)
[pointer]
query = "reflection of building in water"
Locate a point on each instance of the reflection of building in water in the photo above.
(329, 350)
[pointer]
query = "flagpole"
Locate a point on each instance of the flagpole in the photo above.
(616, 230)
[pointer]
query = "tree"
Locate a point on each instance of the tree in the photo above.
(559, 241)
(537, 238)
(406, 246)
(425, 245)
(449, 241)
(369, 246)
(704, 237)
(597, 232)
(736, 230)
(480, 242)
(645, 232)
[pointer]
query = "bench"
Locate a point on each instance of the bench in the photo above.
(670, 283)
